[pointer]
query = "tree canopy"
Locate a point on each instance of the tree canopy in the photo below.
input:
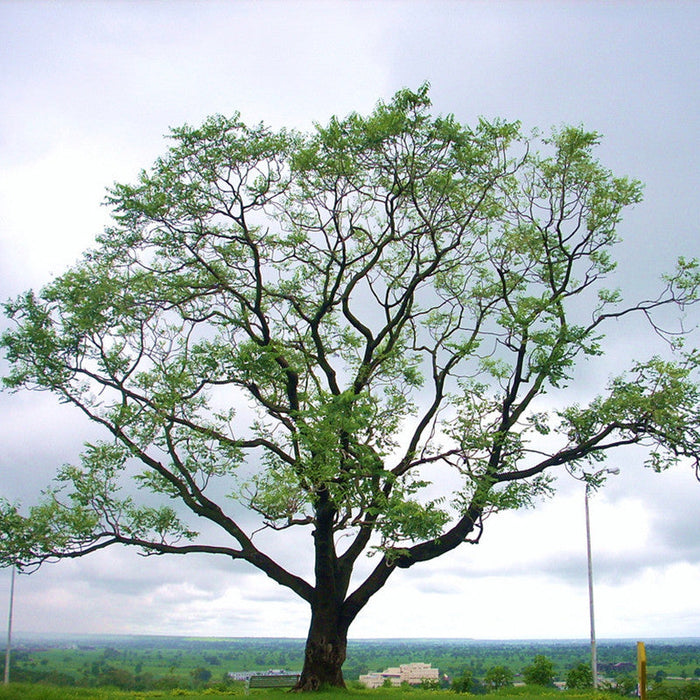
(581, 676)
(315, 325)
(540, 672)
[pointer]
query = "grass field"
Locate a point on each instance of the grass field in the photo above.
(25, 691)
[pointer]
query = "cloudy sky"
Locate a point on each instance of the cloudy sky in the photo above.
(87, 91)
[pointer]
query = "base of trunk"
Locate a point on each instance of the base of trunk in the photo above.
(323, 663)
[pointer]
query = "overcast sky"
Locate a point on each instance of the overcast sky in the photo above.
(87, 91)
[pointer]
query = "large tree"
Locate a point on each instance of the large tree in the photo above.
(314, 325)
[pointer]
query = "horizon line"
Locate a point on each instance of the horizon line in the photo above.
(20, 634)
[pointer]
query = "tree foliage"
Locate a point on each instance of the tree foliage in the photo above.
(581, 676)
(540, 672)
(319, 326)
(463, 683)
(498, 677)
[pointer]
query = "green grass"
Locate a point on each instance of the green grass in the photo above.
(35, 691)
(39, 691)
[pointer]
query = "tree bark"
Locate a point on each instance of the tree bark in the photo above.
(326, 643)
(326, 647)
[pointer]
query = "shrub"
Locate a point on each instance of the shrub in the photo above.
(498, 677)
(580, 676)
(686, 691)
(541, 672)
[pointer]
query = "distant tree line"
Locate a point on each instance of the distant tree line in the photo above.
(465, 666)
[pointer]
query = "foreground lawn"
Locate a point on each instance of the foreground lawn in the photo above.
(29, 691)
(38, 691)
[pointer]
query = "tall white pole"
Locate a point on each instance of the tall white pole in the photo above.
(594, 661)
(9, 629)
(589, 479)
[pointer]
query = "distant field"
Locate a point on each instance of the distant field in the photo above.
(192, 667)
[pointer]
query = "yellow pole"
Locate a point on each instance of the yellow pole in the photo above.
(642, 670)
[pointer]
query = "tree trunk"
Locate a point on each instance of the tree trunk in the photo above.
(326, 647)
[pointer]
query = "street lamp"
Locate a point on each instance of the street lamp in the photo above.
(591, 479)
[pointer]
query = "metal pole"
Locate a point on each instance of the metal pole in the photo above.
(9, 629)
(594, 661)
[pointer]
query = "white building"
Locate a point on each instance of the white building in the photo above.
(413, 674)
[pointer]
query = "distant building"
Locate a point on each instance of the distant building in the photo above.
(413, 674)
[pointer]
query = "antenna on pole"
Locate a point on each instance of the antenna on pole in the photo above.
(9, 629)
